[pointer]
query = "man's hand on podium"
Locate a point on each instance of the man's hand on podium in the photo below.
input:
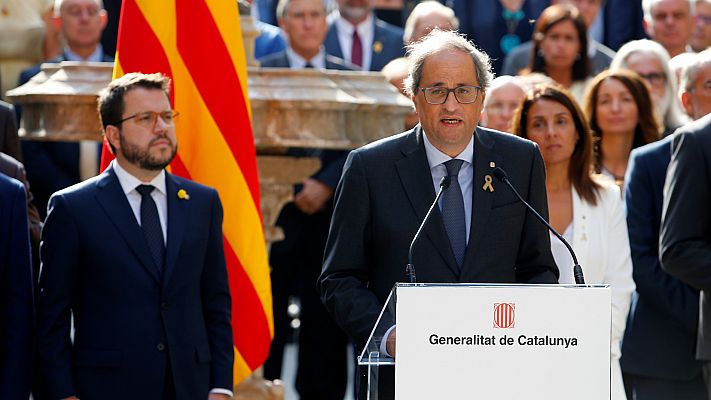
(390, 344)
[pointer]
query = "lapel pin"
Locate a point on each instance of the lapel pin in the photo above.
(492, 164)
(183, 195)
(377, 47)
(487, 184)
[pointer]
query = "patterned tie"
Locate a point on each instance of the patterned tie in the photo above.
(150, 223)
(357, 50)
(453, 212)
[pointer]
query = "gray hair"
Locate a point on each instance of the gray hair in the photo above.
(436, 42)
(283, 7)
(425, 8)
(58, 5)
(647, 8)
(691, 71)
(670, 112)
(503, 80)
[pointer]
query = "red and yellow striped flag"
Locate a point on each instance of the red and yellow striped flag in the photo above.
(198, 44)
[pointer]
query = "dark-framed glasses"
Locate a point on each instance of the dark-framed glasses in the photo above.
(439, 94)
(655, 78)
(149, 118)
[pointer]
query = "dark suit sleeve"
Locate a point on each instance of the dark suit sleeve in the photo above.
(331, 167)
(672, 297)
(217, 304)
(684, 244)
(16, 308)
(59, 254)
(343, 282)
(535, 262)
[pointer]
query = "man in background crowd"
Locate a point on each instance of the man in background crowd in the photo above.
(503, 98)
(669, 23)
(54, 166)
(357, 36)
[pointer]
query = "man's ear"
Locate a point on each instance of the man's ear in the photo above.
(104, 19)
(647, 28)
(111, 133)
(686, 103)
(57, 22)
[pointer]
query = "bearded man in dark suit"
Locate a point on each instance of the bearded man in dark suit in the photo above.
(135, 255)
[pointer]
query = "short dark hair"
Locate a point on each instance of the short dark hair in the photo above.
(580, 166)
(111, 104)
(549, 17)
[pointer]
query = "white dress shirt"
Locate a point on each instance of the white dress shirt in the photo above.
(366, 32)
(129, 183)
(436, 160)
(298, 62)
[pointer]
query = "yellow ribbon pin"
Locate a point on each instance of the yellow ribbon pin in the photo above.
(487, 184)
(377, 47)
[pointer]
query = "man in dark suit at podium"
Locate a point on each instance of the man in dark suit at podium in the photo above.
(480, 232)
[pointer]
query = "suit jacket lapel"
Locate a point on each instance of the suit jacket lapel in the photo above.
(481, 199)
(333, 46)
(416, 179)
(178, 211)
(112, 198)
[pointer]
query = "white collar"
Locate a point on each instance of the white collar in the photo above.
(436, 157)
(298, 62)
(129, 182)
(364, 28)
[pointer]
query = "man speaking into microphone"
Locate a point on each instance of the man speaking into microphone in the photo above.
(479, 232)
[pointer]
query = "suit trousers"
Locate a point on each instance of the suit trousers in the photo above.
(648, 388)
(323, 347)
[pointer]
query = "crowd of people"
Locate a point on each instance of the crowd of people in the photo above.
(614, 94)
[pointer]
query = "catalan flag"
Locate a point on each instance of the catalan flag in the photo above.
(198, 44)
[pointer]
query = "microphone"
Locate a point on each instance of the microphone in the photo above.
(410, 269)
(577, 270)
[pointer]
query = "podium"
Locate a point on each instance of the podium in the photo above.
(494, 341)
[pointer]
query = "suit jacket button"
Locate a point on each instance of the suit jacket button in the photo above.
(160, 347)
(163, 306)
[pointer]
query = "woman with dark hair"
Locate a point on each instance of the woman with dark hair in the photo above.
(587, 210)
(621, 115)
(560, 48)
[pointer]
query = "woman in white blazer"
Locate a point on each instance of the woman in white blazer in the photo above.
(586, 209)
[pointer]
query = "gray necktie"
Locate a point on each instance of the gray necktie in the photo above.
(453, 212)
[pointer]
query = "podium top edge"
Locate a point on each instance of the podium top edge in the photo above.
(501, 285)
